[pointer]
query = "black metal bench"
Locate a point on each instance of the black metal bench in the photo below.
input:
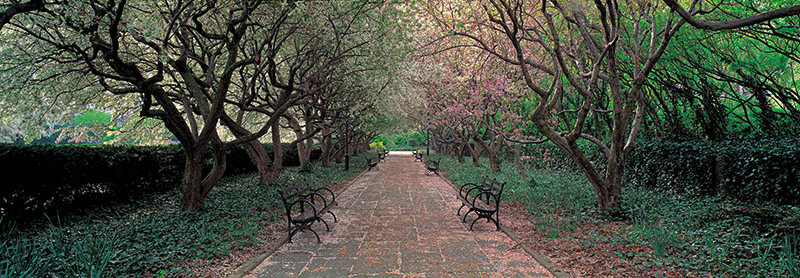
(417, 156)
(382, 157)
(483, 199)
(431, 166)
(373, 163)
(305, 205)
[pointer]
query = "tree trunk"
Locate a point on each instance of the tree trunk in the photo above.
(254, 148)
(298, 132)
(327, 147)
(460, 150)
(196, 187)
(277, 159)
(192, 179)
(475, 152)
(494, 164)
(259, 156)
(517, 162)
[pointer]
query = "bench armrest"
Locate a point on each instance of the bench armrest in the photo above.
(466, 189)
(333, 197)
(301, 201)
(487, 195)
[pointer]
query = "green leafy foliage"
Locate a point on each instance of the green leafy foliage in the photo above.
(703, 235)
(377, 146)
(150, 236)
(756, 171)
(408, 141)
(92, 117)
(65, 177)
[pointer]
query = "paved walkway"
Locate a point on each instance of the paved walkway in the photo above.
(397, 222)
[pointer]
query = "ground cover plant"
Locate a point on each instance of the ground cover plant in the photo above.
(152, 237)
(658, 233)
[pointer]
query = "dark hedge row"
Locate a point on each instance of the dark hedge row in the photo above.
(39, 178)
(750, 171)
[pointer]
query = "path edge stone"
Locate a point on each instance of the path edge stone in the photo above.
(539, 257)
(250, 265)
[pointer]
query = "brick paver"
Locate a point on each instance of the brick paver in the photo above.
(397, 222)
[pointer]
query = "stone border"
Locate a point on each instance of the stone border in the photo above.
(250, 265)
(539, 257)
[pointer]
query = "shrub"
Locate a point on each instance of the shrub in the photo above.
(48, 177)
(399, 139)
(419, 138)
(380, 138)
(377, 146)
(752, 171)
(154, 238)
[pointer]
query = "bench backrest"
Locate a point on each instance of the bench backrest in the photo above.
(291, 193)
(494, 185)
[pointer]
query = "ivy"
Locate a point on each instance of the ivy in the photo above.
(746, 170)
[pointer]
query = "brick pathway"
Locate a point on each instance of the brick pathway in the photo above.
(397, 222)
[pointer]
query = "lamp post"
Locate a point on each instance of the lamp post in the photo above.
(346, 148)
(427, 142)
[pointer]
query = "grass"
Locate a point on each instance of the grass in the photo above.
(707, 236)
(151, 237)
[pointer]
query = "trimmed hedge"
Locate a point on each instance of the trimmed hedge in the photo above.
(750, 171)
(39, 178)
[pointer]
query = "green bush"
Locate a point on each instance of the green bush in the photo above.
(152, 237)
(399, 139)
(377, 146)
(707, 236)
(380, 138)
(40, 177)
(417, 137)
(65, 177)
(753, 171)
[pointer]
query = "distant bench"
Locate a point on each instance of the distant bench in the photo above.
(373, 163)
(305, 205)
(431, 166)
(483, 199)
(417, 156)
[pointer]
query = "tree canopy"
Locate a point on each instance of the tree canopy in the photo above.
(480, 76)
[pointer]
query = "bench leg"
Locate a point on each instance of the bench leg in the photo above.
(315, 234)
(473, 223)
(496, 223)
(291, 232)
(488, 219)
(459, 209)
(334, 217)
(327, 228)
(465, 215)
